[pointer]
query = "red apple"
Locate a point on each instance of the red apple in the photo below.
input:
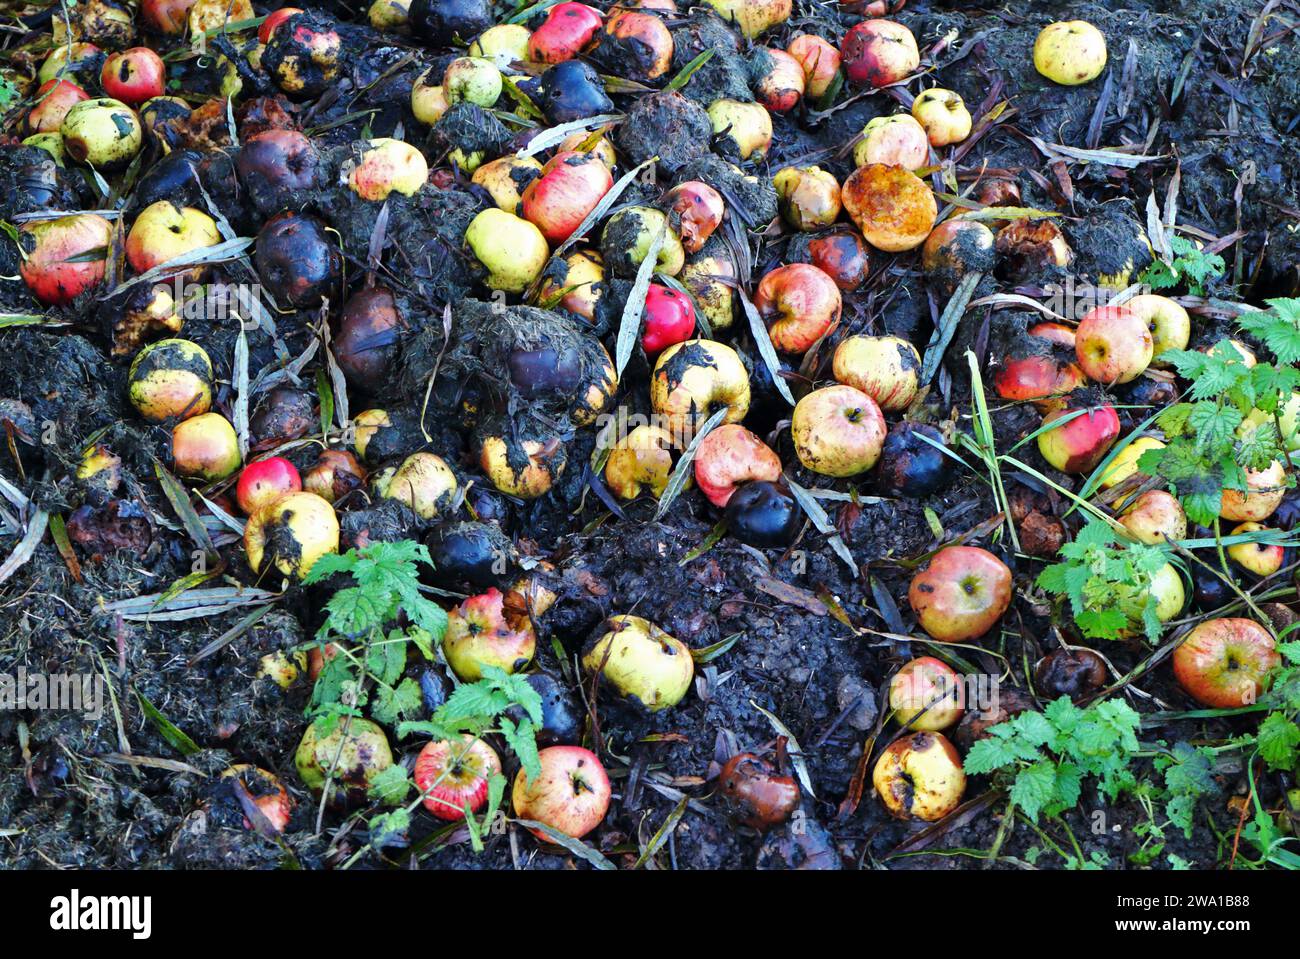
(205, 447)
(566, 32)
(569, 188)
(168, 17)
(452, 775)
(879, 52)
(133, 76)
(273, 20)
(1036, 377)
(820, 62)
(1113, 344)
(54, 99)
(571, 795)
(841, 255)
(926, 695)
(800, 303)
(480, 633)
(64, 257)
(1082, 443)
(263, 482)
(640, 44)
(729, 456)
(1224, 663)
(265, 791)
(780, 83)
(961, 593)
(669, 318)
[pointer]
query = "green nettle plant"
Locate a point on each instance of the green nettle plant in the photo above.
(1107, 582)
(1044, 758)
(1232, 421)
(374, 624)
(367, 670)
(1190, 267)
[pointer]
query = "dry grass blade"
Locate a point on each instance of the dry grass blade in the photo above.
(682, 471)
(1129, 161)
(1000, 300)
(795, 750)
(663, 832)
(193, 604)
(27, 546)
(629, 327)
(241, 392)
(230, 635)
(947, 325)
(823, 523)
(556, 134)
(765, 348)
(217, 253)
(601, 208)
(575, 846)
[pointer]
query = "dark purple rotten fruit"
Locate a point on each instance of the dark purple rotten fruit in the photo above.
(442, 21)
(297, 261)
(1070, 672)
(561, 717)
(175, 177)
(1209, 592)
(283, 415)
(276, 165)
(539, 372)
(569, 91)
(370, 329)
(911, 466)
(469, 553)
(763, 515)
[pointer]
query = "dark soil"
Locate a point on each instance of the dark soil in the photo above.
(818, 638)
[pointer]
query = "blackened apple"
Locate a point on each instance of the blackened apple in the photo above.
(1209, 591)
(470, 554)
(174, 177)
(911, 466)
(370, 329)
(297, 260)
(569, 91)
(442, 21)
(562, 720)
(1069, 672)
(276, 165)
(281, 416)
(763, 515)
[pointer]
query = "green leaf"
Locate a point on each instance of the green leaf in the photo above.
(1278, 738)
(522, 739)
(1035, 787)
(390, 703)
(391, 785)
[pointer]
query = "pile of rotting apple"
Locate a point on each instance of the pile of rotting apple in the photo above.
(648, 436)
